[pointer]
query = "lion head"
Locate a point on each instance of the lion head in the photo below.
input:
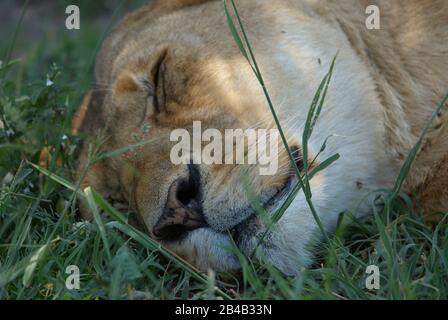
(173, 64)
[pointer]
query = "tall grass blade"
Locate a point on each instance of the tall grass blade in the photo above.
(405, 169)
(10, 50)
(99, 221)
(304, 183)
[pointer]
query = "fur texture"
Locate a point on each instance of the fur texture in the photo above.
(386, 83)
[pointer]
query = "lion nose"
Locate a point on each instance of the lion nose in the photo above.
(182, 212)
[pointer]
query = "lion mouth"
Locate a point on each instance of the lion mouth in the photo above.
(280, 195)
(251, 224)
(206, 247)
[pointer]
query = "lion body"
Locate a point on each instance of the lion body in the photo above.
(385, 86)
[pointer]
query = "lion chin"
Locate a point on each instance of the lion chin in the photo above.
(173, 63)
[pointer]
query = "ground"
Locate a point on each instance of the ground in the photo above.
(44, 72)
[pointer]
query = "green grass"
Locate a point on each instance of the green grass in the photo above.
(40, 235)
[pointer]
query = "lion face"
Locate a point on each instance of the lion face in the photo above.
(199, 210)
(167, 68)
(173, 64)
(202, 211)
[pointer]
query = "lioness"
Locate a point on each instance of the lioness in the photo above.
(175, 61)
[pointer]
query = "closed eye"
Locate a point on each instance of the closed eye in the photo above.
(148, 87)
(150, 91)
(158, 73)
(153, 86)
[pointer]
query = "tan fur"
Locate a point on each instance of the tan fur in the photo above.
(407, 58)
(205, 78)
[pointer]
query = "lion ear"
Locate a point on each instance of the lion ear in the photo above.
(86, 123)
(89, 117)
(80, 115)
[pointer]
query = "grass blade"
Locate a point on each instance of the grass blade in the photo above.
(99, 221)
(405, 169)
(304, 183)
